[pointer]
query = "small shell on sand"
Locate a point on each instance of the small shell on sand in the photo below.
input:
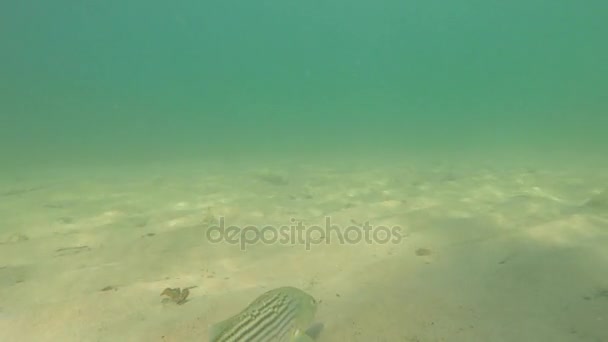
(423, 252)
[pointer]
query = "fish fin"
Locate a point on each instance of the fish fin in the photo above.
(216, 329)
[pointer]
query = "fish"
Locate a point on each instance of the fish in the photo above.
(279, 315)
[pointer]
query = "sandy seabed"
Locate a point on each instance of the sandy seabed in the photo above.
(484, 253)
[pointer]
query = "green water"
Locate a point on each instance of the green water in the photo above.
(131, 80)
(128, 127)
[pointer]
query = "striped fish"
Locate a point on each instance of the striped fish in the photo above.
(279, 315)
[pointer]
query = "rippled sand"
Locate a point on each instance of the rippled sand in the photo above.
(487, 253)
